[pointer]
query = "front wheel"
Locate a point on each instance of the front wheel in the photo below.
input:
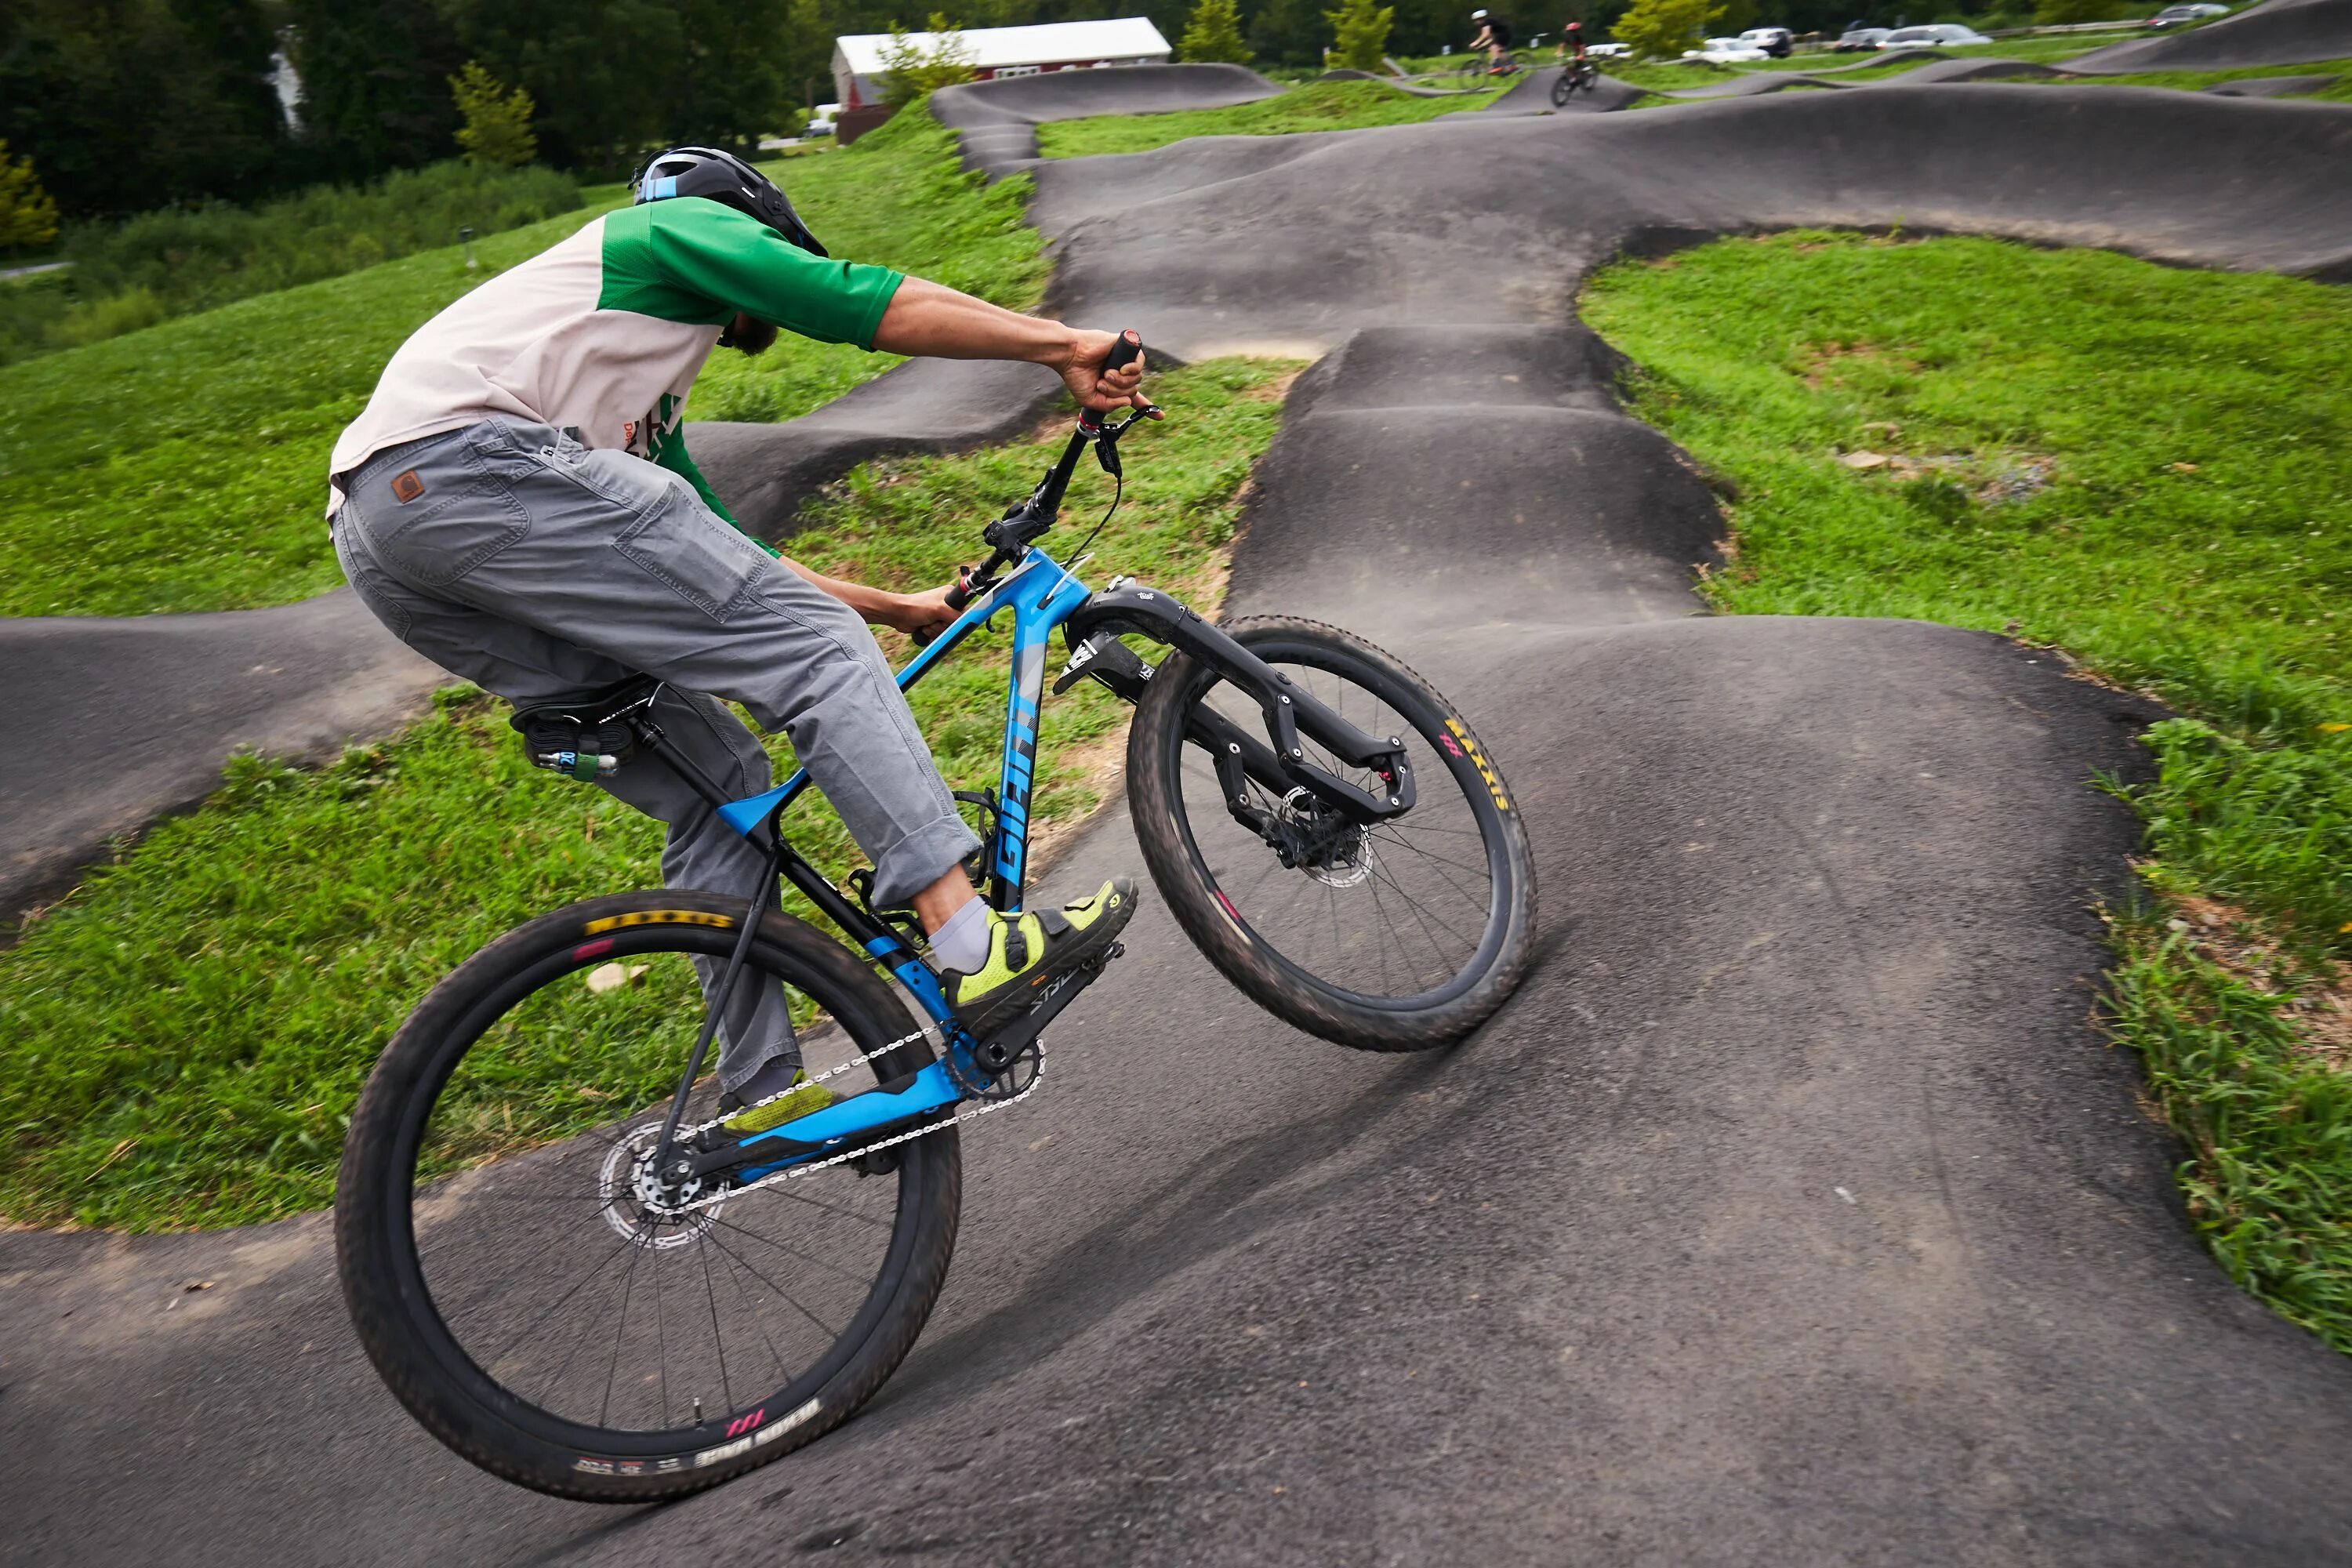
(1398, 936)
(538, 1300)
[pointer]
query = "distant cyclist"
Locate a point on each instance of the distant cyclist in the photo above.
(1495, 38)
(1571, 42)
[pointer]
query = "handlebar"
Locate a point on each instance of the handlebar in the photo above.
(1010, 535)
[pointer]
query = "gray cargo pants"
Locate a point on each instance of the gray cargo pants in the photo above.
(512, 556)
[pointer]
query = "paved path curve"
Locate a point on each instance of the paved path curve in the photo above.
(1792, 1213)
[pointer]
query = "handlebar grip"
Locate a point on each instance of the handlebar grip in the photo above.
(1126, 352)
(959, 597)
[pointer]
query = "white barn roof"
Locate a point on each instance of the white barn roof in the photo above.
(1050, 43)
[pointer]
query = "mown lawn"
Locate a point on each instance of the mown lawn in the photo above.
(183, 467)
(186, 1032)
(2151, 470)
(1319, 106)
(2340, 92)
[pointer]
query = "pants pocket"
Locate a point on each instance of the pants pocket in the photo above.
(465, 514)
(699, 557)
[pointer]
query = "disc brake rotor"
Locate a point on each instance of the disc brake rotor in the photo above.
(1330, 849)
(636, 1206)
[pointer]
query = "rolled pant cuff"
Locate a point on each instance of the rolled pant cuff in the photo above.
(742, 1066)
(920, 858)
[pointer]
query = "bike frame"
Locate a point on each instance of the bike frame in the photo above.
(1042, 594)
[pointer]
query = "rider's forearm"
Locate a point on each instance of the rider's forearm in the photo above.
(927, 317)
(873, 604)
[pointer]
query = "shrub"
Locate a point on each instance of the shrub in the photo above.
(192, 258)
(1214, 34)
(28, 217)
(111, 316)
(496, 128)
(1362, 34)
(2060, 13)
(1661, 29)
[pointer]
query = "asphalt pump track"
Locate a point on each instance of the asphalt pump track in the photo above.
(1792, 1212)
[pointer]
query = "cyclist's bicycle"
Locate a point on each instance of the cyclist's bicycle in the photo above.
(580, 1281)
(1578, 76)
(1482, 70)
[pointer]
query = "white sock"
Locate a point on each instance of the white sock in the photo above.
(961, 944)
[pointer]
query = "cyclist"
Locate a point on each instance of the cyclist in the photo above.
(1495, 38)
(517, 504)
(1571, 42)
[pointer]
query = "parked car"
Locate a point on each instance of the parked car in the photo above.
(1934, 34)
(1778, 42)
(1860, 38)
(1726, 52)
(2174, 16)
(1610, 51)
(820, 120)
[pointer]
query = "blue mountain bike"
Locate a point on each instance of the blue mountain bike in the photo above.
(597, 1292)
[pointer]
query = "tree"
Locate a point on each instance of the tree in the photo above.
(27, 215)
(1658, 29)
(131, 104)
(910, 70)
(496, 128)
(1362, 34)
(372, 74)
(1214, 34)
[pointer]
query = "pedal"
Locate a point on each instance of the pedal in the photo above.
(1108, 660)
(1002, 1051)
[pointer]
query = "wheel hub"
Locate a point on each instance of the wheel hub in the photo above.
(1320, 842)
(642, 1206)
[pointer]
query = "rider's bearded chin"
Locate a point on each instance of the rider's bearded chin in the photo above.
(746, 335)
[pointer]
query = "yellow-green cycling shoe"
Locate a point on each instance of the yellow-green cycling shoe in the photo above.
(1028, 952)
(801, 1098)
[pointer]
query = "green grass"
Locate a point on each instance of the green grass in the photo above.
(2196, 81)
(183, 467)
(187, 1031)
(2151, 468)
(1321, 106)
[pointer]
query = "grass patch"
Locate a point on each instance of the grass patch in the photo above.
(1319, 106)
(183, 467)
(2196, 81)
(2151, 468)
(192, 1025)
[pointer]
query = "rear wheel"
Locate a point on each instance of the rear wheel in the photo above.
(1393, 937)
(538, 1301)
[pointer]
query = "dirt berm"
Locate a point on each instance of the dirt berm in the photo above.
(1792, 1213)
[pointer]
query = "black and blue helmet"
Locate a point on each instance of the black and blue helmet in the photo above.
(726, 179)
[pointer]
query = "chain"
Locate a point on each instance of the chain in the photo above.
(971, 1113)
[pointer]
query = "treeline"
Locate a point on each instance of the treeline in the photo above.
(128, 105)
(125, 106)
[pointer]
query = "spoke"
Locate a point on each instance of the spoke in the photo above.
(780, 1247)
(717, 1340)
(1419, 914)
(620, 1329)
(1388, 835)
(784, 1191)
(759, 1317)
(661, 1338)
(1470, 899)
(601, 1263)
(789, 1299)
